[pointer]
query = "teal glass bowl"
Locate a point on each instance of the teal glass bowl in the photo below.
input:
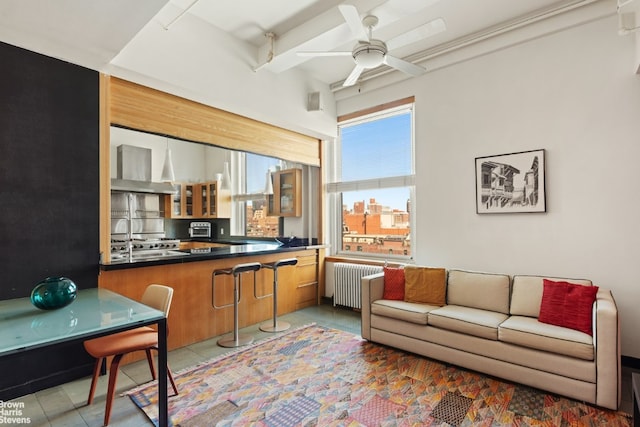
(53, 293)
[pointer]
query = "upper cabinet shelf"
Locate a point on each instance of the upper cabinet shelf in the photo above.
(286, 199)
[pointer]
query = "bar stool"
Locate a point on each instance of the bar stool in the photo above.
(236, 340)
(276, 326)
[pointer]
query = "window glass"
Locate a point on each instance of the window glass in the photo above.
(373, 184)
(378, 220)
(376, 148)
(256, 172)
(258, 223)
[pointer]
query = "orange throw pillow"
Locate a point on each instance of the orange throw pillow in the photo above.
(425, 285)
(393, 283)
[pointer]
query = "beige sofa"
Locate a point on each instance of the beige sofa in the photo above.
(489, 324)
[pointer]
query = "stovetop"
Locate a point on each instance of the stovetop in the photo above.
(145, 244)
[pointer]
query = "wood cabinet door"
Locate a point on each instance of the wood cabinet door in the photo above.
(287, 194)
(307, 280)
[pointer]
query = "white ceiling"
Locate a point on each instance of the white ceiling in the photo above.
(92, 32)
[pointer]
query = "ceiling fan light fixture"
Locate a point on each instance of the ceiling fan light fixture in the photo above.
(370, 55)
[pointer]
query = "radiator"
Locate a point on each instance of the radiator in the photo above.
(347, 282)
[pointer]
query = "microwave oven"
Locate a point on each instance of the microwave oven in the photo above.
(200, 230)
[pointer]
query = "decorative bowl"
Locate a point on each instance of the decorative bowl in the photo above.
(53, 292)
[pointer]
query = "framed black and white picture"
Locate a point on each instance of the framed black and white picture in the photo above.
(511, 183)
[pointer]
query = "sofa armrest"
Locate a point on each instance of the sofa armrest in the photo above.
(606, 338)
(371, 290)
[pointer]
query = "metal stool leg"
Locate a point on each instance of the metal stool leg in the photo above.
(275, 325)
(237, 340)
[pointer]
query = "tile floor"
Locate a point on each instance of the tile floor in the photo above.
(65, 405)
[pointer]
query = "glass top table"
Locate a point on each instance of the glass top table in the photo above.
(95, 312)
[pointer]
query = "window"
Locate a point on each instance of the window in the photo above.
(371, 184)
(253, 201)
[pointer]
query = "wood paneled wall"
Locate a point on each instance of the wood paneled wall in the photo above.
(142, 108)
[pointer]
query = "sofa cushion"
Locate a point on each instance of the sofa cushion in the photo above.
(527, 293)
(467, 320)
(401, 310)
(393, 283)
(568, 305)
(425, 285)
(484, 291)
(529, 332)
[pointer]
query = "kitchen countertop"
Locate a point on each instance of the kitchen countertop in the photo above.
(235, 249)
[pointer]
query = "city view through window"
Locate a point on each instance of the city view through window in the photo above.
(376, 227)
(375, 153)
(258, 223)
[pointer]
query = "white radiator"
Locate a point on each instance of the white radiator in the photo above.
(347, 282)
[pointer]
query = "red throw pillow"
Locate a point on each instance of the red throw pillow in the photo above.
(393, 283)
(568, 305)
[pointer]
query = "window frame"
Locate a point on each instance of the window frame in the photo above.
(334, 187)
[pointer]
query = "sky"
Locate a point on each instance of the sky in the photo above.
(257, 172)
(373, 149)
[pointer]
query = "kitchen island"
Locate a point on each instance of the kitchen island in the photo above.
(193, 317)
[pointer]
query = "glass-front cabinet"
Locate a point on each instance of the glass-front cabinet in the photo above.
(287, 193)
(189, 200)
(173, 208)
(181, 203)
(198, 200)
(216, 202)
(207, 192)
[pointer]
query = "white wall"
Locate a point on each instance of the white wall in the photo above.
(573, 93)
(196, 61)
(191, 162)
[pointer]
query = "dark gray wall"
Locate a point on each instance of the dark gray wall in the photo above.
(49, 197)
(49, 171)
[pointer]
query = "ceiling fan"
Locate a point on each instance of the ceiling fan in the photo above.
(370, 53)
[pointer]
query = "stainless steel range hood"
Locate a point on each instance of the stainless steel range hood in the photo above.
(142, 186)
(134, 172)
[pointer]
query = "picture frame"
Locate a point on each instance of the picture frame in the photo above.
(511, 183)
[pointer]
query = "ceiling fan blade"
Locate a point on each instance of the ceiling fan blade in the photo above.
(328, 53)
(422, 32)
(352, 17)
(353, 77)
(404, 66)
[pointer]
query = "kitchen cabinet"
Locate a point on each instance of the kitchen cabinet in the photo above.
(198, 200)
(306, 279)
(182, 204)
(286, 199)
(215, 202)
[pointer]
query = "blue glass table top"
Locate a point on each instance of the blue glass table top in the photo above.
(94, 312)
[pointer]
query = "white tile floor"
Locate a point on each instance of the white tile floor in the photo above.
(65, 405)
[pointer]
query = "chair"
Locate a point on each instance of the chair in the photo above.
(117, 345)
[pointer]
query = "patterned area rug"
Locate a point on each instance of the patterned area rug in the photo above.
(314, 376)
